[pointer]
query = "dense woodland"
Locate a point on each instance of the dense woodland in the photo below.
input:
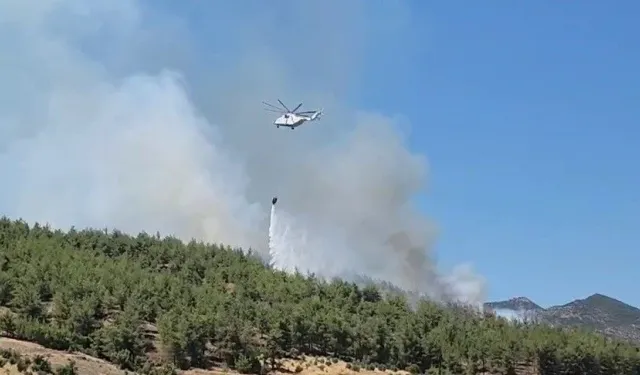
(142, 301)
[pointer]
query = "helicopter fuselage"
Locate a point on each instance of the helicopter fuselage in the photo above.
(290, 120)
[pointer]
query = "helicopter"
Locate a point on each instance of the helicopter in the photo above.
(292, 119)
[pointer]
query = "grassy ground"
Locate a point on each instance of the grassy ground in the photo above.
(87, 365)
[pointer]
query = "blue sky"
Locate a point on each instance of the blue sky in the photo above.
(528, 114)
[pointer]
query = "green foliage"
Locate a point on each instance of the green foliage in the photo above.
(248, 365)
(22, 365)
(68, 369)
(120, 297)
(41, 365)
(122, 342)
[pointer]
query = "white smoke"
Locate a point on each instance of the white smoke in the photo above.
(87, 149)
(292, 247)
(142, 160)
(110, 117)
(520, 316)
(295, 246)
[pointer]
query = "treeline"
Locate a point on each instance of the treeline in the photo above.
(144, 301)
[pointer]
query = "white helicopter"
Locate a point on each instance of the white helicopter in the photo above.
(292, 119)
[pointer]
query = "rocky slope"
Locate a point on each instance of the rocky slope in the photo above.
(597, 312)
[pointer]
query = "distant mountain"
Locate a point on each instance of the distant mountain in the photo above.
(598, 312)
(515, 304)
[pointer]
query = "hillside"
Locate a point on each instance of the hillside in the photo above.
(155, 305)
(598, 313)
(515, 304)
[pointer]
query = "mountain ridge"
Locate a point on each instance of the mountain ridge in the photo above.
(597, 312)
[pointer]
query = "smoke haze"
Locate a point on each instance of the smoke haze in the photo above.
(114, 113)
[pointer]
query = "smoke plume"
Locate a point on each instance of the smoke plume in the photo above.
(116, 113)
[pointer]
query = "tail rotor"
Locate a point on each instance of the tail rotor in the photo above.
(318, 114)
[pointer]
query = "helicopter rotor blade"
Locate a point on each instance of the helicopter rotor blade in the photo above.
(273, 110)
(296, 108)
(272, 106)
(285, 107)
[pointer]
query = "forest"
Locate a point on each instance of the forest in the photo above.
(155, 305)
